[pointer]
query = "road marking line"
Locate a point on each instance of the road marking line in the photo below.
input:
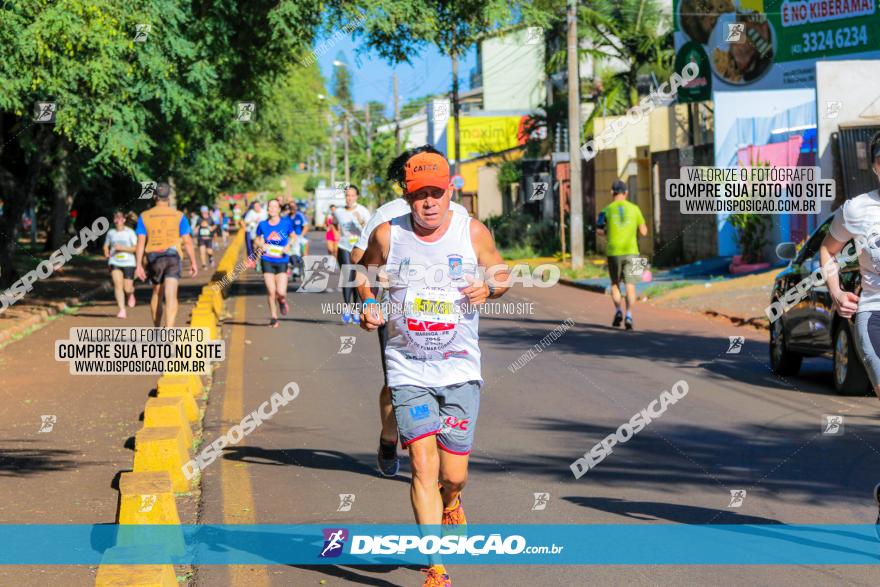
(238, 497)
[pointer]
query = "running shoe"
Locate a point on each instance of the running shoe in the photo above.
(454, 514)
(122, 314)
(877, 499)
(282, 303)
(628, 323)
(618, 318)
(346, 318)
(387, 460)
(436, 577)
(273, 323)
(131, 300)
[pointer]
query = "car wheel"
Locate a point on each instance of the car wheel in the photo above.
(782, 360)
(849, 374)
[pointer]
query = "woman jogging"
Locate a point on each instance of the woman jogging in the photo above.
(119, 248)
(859, 220)
(351, 221)
(273, 235)
(205, 236)
(332, 232)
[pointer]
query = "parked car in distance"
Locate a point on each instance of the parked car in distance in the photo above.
(810, 327)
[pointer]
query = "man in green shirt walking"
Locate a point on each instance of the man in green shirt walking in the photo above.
(622, 221)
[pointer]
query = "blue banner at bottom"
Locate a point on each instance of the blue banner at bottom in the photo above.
(360, 544)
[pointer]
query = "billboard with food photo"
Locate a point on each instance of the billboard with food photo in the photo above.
(773, 44)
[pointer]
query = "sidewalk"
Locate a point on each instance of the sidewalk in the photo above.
(69, 474)
(81, 279)
(741, 300)
(704, 287)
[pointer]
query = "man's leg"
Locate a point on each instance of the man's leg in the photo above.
(386, 415)
(630, 298)
(615, 295)
(453, 476)
(170, 301)
(424, 492)
(156, 304)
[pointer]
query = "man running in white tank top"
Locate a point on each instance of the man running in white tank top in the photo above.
(433, 260)
(387, 461)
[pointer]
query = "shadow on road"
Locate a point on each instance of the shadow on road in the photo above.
(28, 461)
(356, 575)
(673, 512)
(329, 460)
(797, 462)
(673, 349)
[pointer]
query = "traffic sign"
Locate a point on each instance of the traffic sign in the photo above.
(457, 182)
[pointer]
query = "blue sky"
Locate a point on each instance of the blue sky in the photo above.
(430, 72)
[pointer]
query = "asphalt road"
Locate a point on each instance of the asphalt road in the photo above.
(739, 427)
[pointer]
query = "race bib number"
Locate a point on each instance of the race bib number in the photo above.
(353, 239)
(431, 309)
(275, 250)
(205, 232)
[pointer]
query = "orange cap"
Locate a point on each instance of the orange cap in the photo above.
(426, 170)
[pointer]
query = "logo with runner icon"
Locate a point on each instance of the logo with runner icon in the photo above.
(737, 497)
(346, 501)
(541, 501)
(346, 345)
(736, 344)
(318, 269)
(48, 422)
(334, 540)
(832, 424)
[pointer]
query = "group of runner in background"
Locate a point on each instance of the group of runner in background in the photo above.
(155, 249)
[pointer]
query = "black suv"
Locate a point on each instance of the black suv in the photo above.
(811, 327)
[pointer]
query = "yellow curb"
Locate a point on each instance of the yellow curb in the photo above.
(208, 302)
(147, 498)
(190, 408)
(168, 411)
(192, 381)
(205, 321)
(136, 576)
(162, 449)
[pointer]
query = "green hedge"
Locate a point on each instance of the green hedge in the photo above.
(521, 231)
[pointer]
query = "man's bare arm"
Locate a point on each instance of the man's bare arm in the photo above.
(489, 259)
(376, 255)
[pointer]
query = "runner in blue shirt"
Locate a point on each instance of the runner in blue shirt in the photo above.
(272, 237)
(301, 228)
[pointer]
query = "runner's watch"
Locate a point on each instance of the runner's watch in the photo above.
(491, 289)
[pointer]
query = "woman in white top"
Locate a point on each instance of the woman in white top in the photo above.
(350, 221)
(859, 220)
(119, 248)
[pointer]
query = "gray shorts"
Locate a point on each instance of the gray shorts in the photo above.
(448, 412)
(867, 335)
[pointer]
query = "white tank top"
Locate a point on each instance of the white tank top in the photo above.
(433, 337)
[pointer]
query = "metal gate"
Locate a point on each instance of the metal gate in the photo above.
(855, 175)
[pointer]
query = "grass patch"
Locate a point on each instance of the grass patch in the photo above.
(659, 289)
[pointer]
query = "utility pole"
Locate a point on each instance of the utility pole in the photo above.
(455, 106)
(368, 129)
(345, 140)
(332, 150)
(574, 136)
(396, 114)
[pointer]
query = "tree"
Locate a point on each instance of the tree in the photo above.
(159, 107)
